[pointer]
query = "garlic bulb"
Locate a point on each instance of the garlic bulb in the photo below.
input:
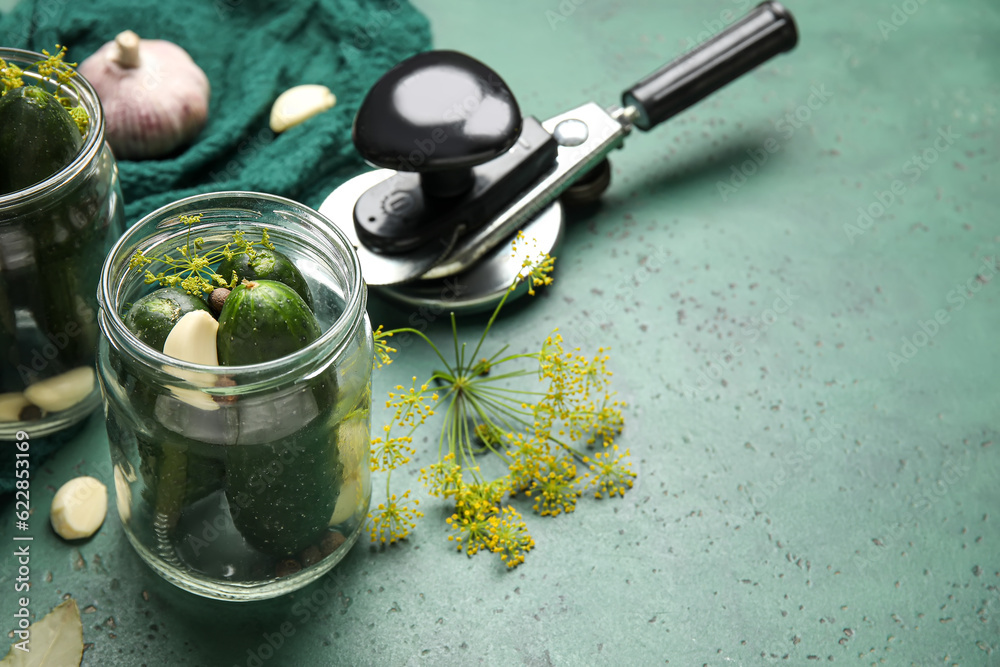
(155, 97)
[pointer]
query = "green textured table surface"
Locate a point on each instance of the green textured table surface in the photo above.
(812, 397)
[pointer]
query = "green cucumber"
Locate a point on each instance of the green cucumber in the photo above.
(153, 316)
(38, 138)
(266, 265)
(264, 320)
(176, 472)
(282, 494)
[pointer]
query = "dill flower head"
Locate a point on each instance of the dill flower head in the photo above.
(411, 405)
(393, 519)
(474, 505)
(444, 478)
(555, 490)
(382, 348)
(536, 266)
(610, 473)
(389, 453)
(509, 537)
(527, 455)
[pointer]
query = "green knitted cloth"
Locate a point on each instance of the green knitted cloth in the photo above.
(251, 50)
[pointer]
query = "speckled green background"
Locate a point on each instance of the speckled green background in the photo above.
(802, 496)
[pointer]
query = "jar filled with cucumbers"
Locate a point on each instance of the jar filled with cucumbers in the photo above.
(235, 365)
(60, 213)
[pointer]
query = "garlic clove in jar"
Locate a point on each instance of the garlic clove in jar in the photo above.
(155, 97)
(193, 339)
(299, 104)
(62, 391)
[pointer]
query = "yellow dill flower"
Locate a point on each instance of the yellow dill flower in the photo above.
(473, 508)
(54, 65)
(390, 453)
(609, 474)
(444, 478)
(536, 266)
(191, 269)
(509, 537)
(81, 119)
(382, 348)
(555, 491)
(528, 453)
(10, 76)
(608, 422)
(393, 520)
(481, 495)
(411, 405)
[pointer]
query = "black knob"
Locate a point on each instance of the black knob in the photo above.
(439, 113)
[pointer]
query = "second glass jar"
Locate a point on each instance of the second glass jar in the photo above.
(54, 236)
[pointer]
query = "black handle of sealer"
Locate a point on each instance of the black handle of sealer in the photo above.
(766, 31)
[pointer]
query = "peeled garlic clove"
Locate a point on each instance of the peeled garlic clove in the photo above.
(11, 405)
(194, 398)
(123, 494)
(193, 339)
(299, 104)
(79, 508)
(62, 391)
(348, 501)
(354, 441)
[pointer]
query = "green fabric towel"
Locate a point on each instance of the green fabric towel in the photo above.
(251, 50)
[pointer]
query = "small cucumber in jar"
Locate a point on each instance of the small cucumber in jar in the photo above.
(263, 320)
(38, 138)
(266, 264)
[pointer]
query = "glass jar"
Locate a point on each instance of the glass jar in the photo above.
(241, 482)
(54, 236)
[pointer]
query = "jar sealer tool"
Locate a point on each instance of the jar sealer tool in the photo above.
(462, 170)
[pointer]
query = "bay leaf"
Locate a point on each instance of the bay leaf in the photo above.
(56, 640)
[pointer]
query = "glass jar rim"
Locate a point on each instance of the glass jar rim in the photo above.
(328, 343)
(88, 152)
